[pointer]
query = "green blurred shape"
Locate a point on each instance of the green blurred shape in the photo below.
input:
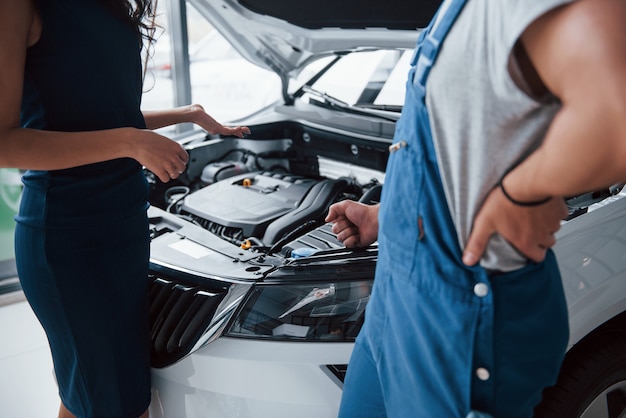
(10, 194)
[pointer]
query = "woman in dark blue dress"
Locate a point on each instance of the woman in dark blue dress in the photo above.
(71, 82)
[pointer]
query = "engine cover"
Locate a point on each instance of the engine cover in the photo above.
(262, 205)
(249, 202)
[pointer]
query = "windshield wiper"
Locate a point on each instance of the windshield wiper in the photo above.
(386, 107)
(332, 102)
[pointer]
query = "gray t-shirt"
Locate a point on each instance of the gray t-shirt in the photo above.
(482, 117)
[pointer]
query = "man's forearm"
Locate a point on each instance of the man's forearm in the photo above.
(577, 51)
(584, 150)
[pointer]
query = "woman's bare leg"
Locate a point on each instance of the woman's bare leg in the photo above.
(64, 413)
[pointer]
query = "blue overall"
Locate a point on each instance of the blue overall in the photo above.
(442, 339)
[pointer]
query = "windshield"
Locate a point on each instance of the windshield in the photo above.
(368, 79)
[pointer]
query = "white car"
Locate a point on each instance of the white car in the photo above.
(255, 305)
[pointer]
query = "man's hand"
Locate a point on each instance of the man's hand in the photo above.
(356, 224)
(529, 229)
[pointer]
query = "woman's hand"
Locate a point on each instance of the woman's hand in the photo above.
(194, 113)
(206, 122)
(166, 158)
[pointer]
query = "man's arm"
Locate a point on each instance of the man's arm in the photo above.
(579, 53)
(355, 223)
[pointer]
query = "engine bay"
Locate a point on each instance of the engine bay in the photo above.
(263, 195)
(271, 193)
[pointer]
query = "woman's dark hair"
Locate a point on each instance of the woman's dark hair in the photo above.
(139, 14)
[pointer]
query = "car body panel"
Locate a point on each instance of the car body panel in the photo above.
(251, 379)
(591, 251)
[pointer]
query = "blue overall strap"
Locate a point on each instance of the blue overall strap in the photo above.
(431, 38)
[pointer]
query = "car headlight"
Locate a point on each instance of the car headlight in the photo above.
(330, 311)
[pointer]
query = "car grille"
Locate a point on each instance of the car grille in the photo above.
(179, 315)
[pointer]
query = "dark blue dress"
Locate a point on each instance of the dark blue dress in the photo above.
(82, 245)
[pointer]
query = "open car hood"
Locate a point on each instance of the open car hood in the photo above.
(284, 35)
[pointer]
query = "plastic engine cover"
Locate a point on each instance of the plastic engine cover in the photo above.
(250, 201)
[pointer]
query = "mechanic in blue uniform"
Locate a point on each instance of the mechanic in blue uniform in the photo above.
(71, 82)
(510, 105)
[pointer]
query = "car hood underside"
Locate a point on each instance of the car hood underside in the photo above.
(284, 35)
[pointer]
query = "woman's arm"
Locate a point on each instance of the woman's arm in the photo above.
(44, 150)
(195, 114)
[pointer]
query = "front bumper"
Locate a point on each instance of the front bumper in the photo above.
(237, 377)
